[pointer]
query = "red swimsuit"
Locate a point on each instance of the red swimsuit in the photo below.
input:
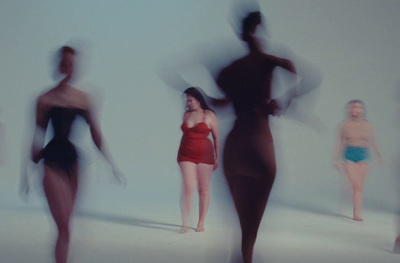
(195, 145)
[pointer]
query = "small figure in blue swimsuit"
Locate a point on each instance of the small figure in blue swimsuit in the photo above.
(357, 137)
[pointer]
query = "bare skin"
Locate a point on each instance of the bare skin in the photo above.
(249, 156)
(61, 187)
(198, 174)
(61, 193)
(396, 247)
(357, 173)
(359, 133)
(201, 174)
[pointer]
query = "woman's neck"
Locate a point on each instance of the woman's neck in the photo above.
(356, 119)
(197, 110)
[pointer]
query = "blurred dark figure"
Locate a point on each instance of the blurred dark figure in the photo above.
(396, 247)
(2, 143)
(356, 137)
(62, 105)
(249, 157)
(198, 157)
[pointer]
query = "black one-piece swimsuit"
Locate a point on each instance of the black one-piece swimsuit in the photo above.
(60, 152)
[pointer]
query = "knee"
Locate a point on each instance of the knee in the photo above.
(357, 188)
(63, 227)
(249, 236)
(204, 192)
(188, 191)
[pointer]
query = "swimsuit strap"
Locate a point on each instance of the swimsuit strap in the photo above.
(204, 116)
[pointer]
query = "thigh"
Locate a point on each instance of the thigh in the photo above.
(252, 156)
(60, 189)
(204, 173)
(189, 173)
(356, 172)
(250, 197)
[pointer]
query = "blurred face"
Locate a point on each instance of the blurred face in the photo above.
(356, 110)
(260, 38)
(192, 103)
(67, 64)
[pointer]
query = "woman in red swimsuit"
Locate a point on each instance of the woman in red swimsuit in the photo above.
(198, 157)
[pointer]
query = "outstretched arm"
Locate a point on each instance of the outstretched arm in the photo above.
(98, 140)
(215, 135)
(339, 151)
(286, 64)
(41, 122)
(293, 91)
(375, 147)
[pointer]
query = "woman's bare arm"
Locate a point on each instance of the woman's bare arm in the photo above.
(375, 146)
(41, 122)
(39, 133)
(340, 145)
(97, 137)
(216, 138)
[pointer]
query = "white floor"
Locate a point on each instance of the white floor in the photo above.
(287, 235)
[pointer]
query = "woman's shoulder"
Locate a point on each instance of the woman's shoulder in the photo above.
(72, 97)
(211, 115)
(368, 124)
(81, 99)
(344, 124)
(79, 93)
(351, 123)
(45, 97)
(209, 112)
(365, 122)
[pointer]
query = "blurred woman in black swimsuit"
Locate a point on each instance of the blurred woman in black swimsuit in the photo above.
(62, 105)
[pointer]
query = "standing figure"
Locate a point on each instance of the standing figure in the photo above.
(357, 136)
(62, 105)
(198, 157)
(249, 157)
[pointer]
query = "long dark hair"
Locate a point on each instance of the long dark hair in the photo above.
(195, 93)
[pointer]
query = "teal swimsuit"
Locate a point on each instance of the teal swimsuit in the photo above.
(356, 154)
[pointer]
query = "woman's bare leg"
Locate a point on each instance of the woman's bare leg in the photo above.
(61, 191)
(250, 197)
(357, 173)
(250, 169)
(204, 173)
(396, 247)
(189, 174)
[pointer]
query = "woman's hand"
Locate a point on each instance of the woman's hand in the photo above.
(380, 161)
(25, 185)
(118, 175)
(37, 155)
(274, 108)
(216, 165)
(338, 165)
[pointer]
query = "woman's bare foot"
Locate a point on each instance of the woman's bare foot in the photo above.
(183, 230)
(396, 248)
(358, 219)
(200, 229)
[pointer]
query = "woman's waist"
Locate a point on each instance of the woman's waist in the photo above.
(60, 143)
(357, 146)
(195, 136)
(251, 121)
(194, 142)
